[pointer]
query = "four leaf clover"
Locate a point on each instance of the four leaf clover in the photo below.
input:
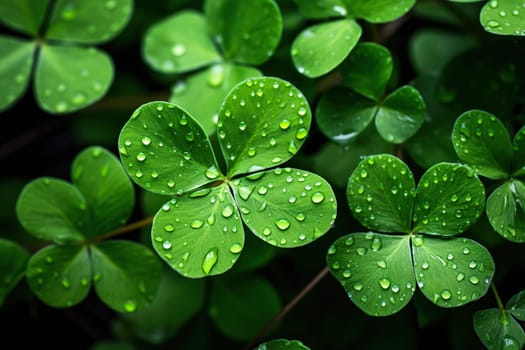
(76, 217)
(380, 271)
(262, 123)
(69, 73)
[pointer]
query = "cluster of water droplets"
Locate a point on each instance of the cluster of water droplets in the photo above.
(263, 111)
(502, 18)
(345, 258)
(286, 199)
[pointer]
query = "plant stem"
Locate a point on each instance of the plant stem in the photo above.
(496, 295)
(125, 229)
(288, 307)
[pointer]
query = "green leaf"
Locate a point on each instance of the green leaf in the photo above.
(52, 210)
(431, 49)
(452, 272)
(286, 207)
(167, 155)
(381, 192)
(88, 22)
(96, 173)
(16, 60)
(401, 115)
(481, 140)
(518, 146)
(378, 11)
(321, 47)
(498, 330)
(69, 78)
(202, 93)
(177, 301)
(13, 261)
(60, 276)
(263, 122)
(516, 305)
(321, 9)
(342, 115)
(282, 344)
(201, 234)
(506, 210)
(449, 199)
(503, 17)
(126, 274)
(247, 31)
(255, 255)
(169, 47)
(368, 69)
(375, 270)
(240, 307)
(23, 15)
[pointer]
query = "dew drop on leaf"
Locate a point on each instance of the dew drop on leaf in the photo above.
(210, 259)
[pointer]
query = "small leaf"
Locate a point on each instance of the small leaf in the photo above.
(342, 115)
(516, 305)
(263, 122)
(96, 172)
(368, 69)
(52, 210)
(126, 274)
(375, 270)
(286, 207)
(16, 60)
(177, 301)
(201, 234)
(506, 210)
(321, 47)
(203, 93)
(164, 150)
(282, 344)
(60, 276)
(240, 307)
(88, 22)
(503, 17)
(378, 11)
(518, 146)
(481, 140)
(452, 272)
(169, 47)
(69, 78)
(449, 199)
(13, 261)
(381, 192)
(247, 31)
(401, 115)
(23, 15)
(321, 9)
(498, 330)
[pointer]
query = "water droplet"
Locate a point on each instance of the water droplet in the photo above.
(376, 244)
(69, 13)
(178, 50)
(418, 241)
(197, 224)
(227, 211)
(473, 279)
(236, 248)
(285, 124)
(169, 228)
(384, 283)
(210, 259)
(212, 173)
(146, 141)
(317, 197)
(301, 134)
(141, 156)
(347, 274)
(166, 245)
(332, 250)
(358, 287)
(424, 265)
(361, 251)
(446, 295)
(282, 224)
(130, 306)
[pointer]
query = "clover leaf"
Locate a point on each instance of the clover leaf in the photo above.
(344, 112)
(498, 328)
(69, 72)
(380, 271)
(321, 47)
(503, 17)
(481, 140)
(75, 217)
(225, 41)
(262, 123)
(13, 260)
